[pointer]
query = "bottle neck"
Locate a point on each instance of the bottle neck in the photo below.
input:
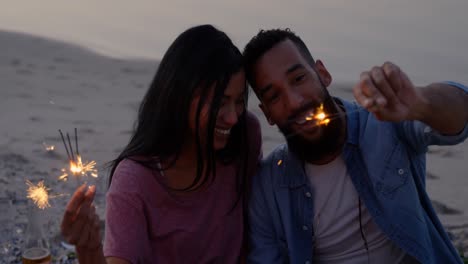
(34, 232)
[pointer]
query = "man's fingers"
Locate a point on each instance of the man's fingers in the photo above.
(392, 74)
(362, 99)
(384, 87)
(365, 91)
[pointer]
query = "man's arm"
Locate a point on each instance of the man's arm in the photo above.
(389, 94)
(444, 108)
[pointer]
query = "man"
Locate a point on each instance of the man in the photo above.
(349, 186)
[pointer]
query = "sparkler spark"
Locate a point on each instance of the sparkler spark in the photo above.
(328, 118)
(319, 115)
(79, 168)
(39, 194)
(280, 162)
(48, 148)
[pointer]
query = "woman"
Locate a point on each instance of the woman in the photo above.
(177, 191)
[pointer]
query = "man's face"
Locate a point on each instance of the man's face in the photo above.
(290, 89)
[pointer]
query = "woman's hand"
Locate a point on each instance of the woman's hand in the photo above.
(80, 223)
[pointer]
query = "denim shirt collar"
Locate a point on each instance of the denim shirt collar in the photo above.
(293, 167)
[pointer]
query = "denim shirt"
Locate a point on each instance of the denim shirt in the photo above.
(387, 165)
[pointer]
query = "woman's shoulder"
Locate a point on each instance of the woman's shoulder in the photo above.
(131, 173)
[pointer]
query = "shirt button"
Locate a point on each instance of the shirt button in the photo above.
(305, 228)
(401, 171)
(308, 194)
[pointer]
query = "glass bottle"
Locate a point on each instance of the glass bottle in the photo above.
(36, 248)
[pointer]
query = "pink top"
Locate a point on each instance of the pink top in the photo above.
(146, 224)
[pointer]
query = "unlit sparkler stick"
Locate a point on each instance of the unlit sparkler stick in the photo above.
(71, 149)
(76, 142)
(77, 168)
(65, 144)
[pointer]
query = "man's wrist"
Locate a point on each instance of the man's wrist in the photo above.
(420, 109)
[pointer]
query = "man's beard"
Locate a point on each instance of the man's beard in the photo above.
(329, 141)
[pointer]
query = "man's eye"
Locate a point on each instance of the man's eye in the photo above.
(300, 78)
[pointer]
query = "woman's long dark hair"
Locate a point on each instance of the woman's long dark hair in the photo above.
(199, 59)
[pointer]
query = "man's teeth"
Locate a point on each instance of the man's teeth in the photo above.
(303, 119)
(223, 131)
(300, 121)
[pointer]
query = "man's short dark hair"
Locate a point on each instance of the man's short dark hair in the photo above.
(264, 41)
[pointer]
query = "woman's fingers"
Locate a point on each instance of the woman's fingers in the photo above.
(79, 223)
(87, 230)
(72, 209)
(79, 216)
(95, 238)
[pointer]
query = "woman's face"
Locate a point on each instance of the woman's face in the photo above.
(231, 107)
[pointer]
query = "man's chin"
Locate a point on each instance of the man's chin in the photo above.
(312, 136)
(310, 146)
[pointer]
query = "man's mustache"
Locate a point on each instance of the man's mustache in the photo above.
(311, 106)
(301, 111)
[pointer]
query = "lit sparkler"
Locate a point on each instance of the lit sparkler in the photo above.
(77, 166)
(39, 194)
(319, 115)
(48, 148)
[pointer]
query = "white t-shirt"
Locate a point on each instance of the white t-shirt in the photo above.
(336, 225)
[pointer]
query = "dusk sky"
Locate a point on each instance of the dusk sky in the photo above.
(428, 38)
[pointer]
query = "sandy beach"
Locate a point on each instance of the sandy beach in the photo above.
(48, 85)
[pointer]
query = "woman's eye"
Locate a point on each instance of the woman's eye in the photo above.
(273, 98)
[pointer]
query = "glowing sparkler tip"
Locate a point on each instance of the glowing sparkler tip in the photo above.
(325, 121)
(79, 168)
(321, 116)
(48, 148)
(280, 162)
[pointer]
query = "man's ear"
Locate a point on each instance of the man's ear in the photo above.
(323, 73)
(267, 114)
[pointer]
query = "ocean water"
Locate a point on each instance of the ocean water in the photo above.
(427, 38)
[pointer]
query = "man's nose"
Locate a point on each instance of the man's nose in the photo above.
(294, 101)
